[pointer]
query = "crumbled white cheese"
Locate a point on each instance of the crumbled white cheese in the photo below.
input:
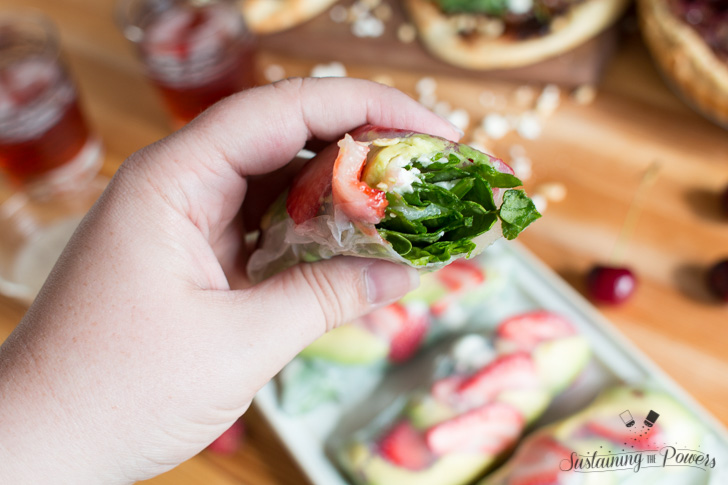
(426, 85)
(549, 100)
(553, 191)
(520, 6)
(472, 352)
(334, 69)
(442, 108)
(400, 180)
(529, 126)
(460, 118)
(367, 26)
(446, 184)
(496, 126)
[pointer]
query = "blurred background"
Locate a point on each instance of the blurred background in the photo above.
(609, 112)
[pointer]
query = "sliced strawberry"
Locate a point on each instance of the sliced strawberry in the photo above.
(488, 429)
(530, 329)
(445, 388)
(311, 185)
(405, 446)
(404, 329)
(538, 462)
(229, 442)
(458, 277)
(511, 371)
(641, 438)
(358, 201)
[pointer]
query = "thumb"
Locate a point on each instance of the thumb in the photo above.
(307, 300)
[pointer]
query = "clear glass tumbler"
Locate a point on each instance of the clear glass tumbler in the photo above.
(49, 158)
(195, 52)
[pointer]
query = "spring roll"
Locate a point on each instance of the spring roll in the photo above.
(392, 194)
(476, 409)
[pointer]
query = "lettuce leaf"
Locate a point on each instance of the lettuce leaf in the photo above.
(450, 205)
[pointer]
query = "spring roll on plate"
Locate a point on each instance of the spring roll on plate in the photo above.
(391, 194)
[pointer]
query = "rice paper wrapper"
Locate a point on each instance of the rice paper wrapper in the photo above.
(332, 231)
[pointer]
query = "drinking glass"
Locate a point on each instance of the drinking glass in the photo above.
(49, 159)
(195, 52)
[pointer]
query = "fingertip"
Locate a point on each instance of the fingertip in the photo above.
(387, 282)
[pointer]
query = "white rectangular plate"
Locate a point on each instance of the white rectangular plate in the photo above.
(309, 437)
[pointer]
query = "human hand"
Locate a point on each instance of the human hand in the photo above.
(137, 353)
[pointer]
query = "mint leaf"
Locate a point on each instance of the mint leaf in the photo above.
(516, 213)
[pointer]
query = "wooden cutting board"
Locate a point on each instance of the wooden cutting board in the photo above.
(322, 39)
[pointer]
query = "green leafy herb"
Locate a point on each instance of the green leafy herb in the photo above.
(450, 205)
(516, 212)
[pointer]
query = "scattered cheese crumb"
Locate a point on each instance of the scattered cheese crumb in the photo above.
(406, 33)
(523, 96)
(367, 26)
(460, 118)
(585, 94)
(426, 85)
(549, 100)
(520, 7)
(529, 126)
(274, 72)
(522, 167)
(553, 191)
(305, 154)
(338, 14)
(496, 126)
(540, 202)
(334, 69)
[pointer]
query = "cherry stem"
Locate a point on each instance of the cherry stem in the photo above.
(633, 213)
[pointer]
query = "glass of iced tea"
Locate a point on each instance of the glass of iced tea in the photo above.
(196, 52)
(45, 143)
(49, 159)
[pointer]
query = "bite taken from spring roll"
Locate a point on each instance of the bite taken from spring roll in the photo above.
(391, 194)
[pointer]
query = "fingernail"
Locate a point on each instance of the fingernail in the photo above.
(388, 282)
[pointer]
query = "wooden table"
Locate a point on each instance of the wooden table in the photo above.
(598, 152)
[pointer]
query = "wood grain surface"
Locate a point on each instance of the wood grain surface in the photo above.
(598, 151)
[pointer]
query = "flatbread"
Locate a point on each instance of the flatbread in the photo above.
(681, 53)
(476, 51)
(268, 16)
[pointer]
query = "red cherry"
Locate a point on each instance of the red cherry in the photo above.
(718, 279)
(608, 284)
(230, 441)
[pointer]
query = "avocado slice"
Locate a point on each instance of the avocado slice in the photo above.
(350, 345)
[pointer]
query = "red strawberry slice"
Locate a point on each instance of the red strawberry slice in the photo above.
(511, 371)
(639, 437)
(311, 185)
(404, 330)
(405, 446)
(229, 442)
(538, 462)
(444, 389)
(458, 277)
(488, 429)
(358, 201)
(530, 329)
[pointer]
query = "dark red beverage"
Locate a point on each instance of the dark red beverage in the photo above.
(196, 54)
(41, 125)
